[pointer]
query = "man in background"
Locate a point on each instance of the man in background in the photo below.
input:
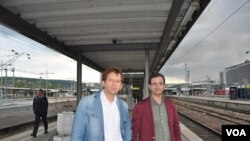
(40, 109)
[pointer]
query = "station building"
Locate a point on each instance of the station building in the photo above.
(238, 74)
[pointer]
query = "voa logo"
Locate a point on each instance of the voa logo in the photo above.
(236, 132)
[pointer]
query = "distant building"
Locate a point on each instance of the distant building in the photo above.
(222, 78)
(238, 74)
(195, 88)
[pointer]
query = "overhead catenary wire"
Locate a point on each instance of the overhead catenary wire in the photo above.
(211, 32)
(37, 49)
(176, 63)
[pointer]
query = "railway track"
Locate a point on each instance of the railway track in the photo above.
(204, 132)
(211, 117)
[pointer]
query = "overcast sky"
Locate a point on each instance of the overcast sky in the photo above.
(219, 39)
(43, 60)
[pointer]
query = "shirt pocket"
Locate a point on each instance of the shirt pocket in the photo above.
(92, 118)
(94, 124)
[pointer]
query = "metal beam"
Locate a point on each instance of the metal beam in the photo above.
(137, 8)
(173, 14)
(17, 23)
(133, 70)
(116, 47)
(30, 30)
(86, 61)
(165, 55)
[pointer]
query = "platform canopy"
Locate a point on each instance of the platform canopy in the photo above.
(106, 32)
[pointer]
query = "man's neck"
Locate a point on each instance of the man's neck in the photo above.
(109, 97)
(157, 98)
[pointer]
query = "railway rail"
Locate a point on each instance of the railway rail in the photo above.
(204, 132)
(211, 117)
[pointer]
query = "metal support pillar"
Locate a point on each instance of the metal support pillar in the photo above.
(130, 92)
(146, 92)
(79, 77)
(1, 81)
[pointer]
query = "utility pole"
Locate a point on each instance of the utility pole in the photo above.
(6, 64)
(188, 81)
(209, 85)
(13, 80)
(6, 75)
(186, 78)
(72, 85)
(40, 82)
(47, 77)
(185, 72)
(13, 76)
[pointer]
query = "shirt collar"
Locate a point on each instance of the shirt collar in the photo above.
(104, 98)
(154, 102)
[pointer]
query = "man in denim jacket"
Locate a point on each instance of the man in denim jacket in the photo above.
(103, 116)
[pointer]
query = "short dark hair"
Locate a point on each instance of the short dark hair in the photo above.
(40, 90)
(156, 75)
(112, 69)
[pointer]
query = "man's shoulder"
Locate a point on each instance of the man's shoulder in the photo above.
(91, 97)
(169, 102)
(88, 102)
(143, 102)
(168, 99)
(122, 102)
(87, 98)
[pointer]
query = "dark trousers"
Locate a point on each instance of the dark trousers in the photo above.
(37, 121)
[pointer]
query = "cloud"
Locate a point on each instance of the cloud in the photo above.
(44, 62)
(171, 80)
(209, 47)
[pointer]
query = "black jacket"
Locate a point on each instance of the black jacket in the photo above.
(40, 105)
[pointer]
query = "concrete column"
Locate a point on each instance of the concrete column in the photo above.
(79, 77)
(146, 92)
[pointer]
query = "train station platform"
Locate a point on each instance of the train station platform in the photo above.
(187, 135)
(12, 116)
(16, 116)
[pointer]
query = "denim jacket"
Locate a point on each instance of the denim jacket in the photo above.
(88, 121)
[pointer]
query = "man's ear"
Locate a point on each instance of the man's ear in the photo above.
(149, 87)
(121, 87)
(103, 84)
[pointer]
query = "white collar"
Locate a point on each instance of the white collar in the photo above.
(104, 98)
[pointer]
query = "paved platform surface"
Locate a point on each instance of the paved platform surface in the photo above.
(8, 103)
(187, 135)
(17, 118)
(9, 117)
(25, 136)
